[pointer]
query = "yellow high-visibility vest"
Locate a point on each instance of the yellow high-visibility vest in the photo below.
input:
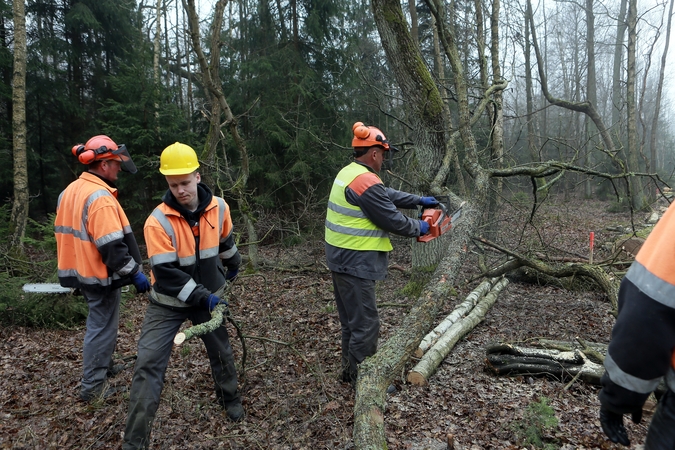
(346, 225)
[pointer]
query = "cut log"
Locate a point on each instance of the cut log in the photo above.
(508, 359)
(426, 367)
(198, 330)
(459, 312)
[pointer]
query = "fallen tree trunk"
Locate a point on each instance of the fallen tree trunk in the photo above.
(607, 282)
(378, 371)
(459, 312)
(508, 359)
(420, 374)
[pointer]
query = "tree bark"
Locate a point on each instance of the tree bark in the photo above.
(508, 359)
(659, 92)
(19, 217)
(460, 311)
(617, 90)
(426, 367)
(634, 184)
(211, 82)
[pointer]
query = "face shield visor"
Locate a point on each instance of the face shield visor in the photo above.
(127, 163)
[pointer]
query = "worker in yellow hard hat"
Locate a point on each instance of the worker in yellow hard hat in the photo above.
(192, 257)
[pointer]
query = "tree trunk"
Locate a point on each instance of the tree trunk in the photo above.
(426, 367)
(508, 359)
(155, 61)
(659, 93)
(634, 184)
(212, 83)
(591, 93)
(460, 311)
(617, 98)
(19, 217)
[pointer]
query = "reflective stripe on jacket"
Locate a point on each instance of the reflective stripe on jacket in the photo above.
(346, 225)
(180, 269)
(640, 353)
(96, 248)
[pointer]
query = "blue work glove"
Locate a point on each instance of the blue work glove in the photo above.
(140, 281)
(212, 301)
(428, 202)
(231, 274)
(424, 227)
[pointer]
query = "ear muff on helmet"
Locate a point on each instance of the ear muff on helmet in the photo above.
(360, 130)
(88, 156)
(368, 136)
(101, 147)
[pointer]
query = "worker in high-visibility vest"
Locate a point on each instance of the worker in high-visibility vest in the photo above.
(361, 214)
(193, 255)
(98, 254)
(641, 351)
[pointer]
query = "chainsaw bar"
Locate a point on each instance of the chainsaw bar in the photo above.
(46, 288)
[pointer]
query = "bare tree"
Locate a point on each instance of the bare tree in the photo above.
(211, 81)
(659, 92)
(19, 215)
(635, 190)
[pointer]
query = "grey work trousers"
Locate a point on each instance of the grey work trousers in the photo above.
(359, 319)
(154, 349)
(100, 340)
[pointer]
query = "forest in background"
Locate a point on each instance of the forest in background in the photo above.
(297, 74)
(488, 102)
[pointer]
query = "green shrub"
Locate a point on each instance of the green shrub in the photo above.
(538, 421)
(419, 279)
(19, 308)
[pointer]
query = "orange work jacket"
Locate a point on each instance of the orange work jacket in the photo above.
(95, 246)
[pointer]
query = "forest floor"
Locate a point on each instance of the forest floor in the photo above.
(290, 390)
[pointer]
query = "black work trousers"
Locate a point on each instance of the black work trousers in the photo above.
(360, 322)
(154, 349)
(661, 434)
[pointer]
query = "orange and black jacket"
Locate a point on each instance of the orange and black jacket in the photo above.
(641, 351)
(96, 249)
(186, 247)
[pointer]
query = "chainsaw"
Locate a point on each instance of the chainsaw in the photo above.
(46, 288)
(440, 222)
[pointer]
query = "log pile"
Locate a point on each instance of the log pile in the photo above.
(440, 341)
(559, 360)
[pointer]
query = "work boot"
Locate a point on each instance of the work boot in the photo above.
(235, 412)
(105, 392)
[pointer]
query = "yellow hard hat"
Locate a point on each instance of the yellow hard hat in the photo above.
(178, 159)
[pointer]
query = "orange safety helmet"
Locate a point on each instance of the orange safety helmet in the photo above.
(368, 136)
(102, 147)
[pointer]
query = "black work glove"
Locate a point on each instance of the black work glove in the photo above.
(612, 425)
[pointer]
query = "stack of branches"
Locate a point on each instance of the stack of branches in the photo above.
(441, 340)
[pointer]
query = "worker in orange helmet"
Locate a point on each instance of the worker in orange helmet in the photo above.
(98, 254)
(361, 214)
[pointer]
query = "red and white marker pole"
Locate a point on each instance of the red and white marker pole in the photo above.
(590, 258)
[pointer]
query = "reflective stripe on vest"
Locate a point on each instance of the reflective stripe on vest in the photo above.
(205, 253)
(346, 225)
